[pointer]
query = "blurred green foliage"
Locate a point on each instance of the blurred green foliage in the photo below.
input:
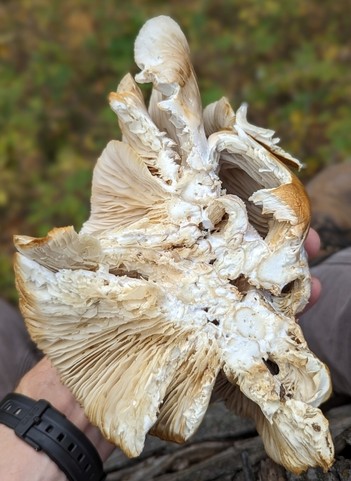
(59, 60)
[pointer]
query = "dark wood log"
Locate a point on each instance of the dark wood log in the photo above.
(227, 448)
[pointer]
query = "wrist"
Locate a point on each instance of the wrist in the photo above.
(46, 429)
(20, 462)
(43, 382)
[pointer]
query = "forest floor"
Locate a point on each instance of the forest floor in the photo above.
(227, 448)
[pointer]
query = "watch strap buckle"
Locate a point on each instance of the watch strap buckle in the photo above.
(32, 418)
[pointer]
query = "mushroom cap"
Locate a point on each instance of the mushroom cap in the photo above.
(184, 283)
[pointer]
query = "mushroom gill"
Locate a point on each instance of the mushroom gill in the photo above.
(185, 281)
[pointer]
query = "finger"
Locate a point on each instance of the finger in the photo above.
(312, 243)
(316, 288)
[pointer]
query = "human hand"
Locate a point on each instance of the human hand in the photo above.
(312, 246)
(18, 460)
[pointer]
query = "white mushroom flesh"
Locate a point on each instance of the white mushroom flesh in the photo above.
(186, 279)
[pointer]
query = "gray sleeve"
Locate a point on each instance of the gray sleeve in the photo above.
(327, 325)
(17, 352)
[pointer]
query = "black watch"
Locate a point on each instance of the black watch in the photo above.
(46, 429)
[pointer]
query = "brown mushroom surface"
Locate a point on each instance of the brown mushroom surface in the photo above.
(184, 282)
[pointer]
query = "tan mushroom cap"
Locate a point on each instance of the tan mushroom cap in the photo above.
(185, 281)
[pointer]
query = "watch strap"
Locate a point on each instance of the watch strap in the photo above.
(46, 429)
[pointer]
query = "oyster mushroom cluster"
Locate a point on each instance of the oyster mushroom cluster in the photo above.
(184, 282)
